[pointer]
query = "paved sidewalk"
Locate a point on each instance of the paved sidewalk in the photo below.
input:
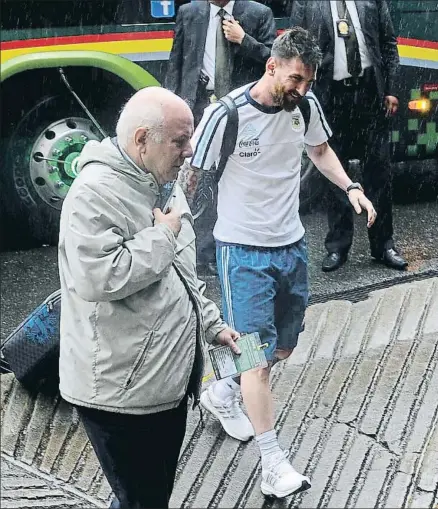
(356, 406)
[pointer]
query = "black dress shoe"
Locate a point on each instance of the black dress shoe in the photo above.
(208, 269)
(333, 261)
(391, 258)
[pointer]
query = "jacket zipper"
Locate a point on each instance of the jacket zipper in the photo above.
(198, 328)
(139, 362)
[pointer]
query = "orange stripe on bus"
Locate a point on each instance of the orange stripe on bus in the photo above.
(81, 39)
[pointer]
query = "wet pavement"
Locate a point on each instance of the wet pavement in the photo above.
(28, 277)
(356, 407)
(356, 403)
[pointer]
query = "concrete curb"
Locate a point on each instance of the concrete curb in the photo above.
(356, 406)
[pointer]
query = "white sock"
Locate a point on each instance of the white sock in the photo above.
(269, 446)
(225, 388)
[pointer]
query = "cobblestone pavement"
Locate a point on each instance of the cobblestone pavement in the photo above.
(23, 486)
(356, 406)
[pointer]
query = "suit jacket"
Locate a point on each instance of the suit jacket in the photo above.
(316, 16)
(186, 57)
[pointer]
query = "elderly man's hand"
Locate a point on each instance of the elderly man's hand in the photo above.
(233, 31)
(172, 219)
(228, 337)
(360, 202)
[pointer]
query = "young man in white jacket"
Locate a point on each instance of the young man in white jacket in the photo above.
(134, 317)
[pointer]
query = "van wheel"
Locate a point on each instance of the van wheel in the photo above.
(39, 168)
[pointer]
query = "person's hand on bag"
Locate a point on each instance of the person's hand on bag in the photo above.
(172, 219)
(227, 337)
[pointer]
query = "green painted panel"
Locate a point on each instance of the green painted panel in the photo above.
(413, 124)
(431, 127)
(428, 140)
(415, 94)
(412, 150)
(433, 95)
(125, 69)
(395, 136)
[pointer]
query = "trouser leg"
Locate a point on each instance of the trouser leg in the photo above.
(378, 184)
(339, 211)
(338, 111)
(340, 222)
(206, 245)
(138, 454)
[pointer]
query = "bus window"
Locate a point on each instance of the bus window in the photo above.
(415, 19)
(30, 14)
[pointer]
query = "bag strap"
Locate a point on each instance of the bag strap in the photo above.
(230, 134)
(304, 107)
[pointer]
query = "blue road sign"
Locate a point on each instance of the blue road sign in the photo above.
(162, 8)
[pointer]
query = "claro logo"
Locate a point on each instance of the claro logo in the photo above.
(254, 153)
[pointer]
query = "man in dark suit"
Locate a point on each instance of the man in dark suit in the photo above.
(219, 45)
(356, 85)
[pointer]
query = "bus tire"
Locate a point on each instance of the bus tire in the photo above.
(32, 195)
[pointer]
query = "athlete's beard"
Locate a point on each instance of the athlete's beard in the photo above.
(287, 102)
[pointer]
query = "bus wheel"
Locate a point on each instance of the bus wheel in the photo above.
(312, 185)
(40, 166)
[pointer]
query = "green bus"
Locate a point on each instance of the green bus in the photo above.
(67, 67)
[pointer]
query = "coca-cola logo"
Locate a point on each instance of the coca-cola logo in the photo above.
(249, 143)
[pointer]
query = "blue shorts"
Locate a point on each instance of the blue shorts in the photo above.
(265, 290)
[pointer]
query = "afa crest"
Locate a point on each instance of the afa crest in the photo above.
(296, 123)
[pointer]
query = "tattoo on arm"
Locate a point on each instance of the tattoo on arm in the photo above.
(188, 179)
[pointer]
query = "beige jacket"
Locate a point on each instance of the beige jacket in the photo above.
(133, 318)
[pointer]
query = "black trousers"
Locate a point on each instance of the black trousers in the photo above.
(206, 246)
(138, 453)
(360, 131)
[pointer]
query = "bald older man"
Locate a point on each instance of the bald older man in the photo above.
(134, 317)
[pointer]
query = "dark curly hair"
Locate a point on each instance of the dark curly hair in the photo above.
(297, 43)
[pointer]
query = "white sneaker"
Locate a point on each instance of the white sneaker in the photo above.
(280, 479)
(229, 413)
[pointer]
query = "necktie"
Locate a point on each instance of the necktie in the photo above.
(223, 61)
(351, 45)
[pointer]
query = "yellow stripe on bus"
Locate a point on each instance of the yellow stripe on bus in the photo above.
(418, 53)
(116, 47)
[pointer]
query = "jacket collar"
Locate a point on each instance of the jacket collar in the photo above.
(239, 8)
(229, 8)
